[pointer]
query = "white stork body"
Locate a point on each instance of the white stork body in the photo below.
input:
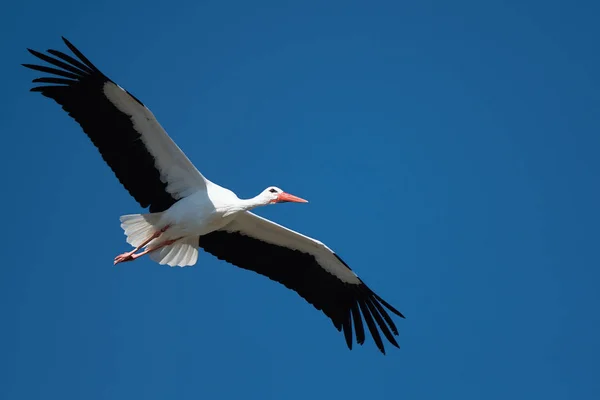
(188, 212)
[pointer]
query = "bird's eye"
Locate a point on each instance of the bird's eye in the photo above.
(273, 190)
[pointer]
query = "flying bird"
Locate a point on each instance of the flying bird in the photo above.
(186, 211)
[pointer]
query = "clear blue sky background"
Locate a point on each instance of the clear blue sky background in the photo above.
(449, 151)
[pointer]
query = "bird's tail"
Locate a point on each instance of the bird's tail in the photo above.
(182, 253)
(139, 227)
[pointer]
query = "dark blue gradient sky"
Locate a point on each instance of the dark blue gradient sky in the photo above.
(449, 151)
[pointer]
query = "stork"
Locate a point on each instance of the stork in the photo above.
(186, 211)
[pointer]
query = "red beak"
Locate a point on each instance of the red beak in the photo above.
(285, 197)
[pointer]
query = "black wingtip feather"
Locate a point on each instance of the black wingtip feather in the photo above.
(359, 329)
(71, 60)
(45, 89)
(347, 327)
(381, 323)
(59, 63)
(54, 71)
(53, 80)
(387, 305)
(372, 327)
(385, 316)
(79, 55)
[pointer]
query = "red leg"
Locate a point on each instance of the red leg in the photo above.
(160, 246)
(128, 256)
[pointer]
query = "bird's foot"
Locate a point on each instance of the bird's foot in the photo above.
(124, 257)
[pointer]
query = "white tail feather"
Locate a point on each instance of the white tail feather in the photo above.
(182, 253)
(139, 227)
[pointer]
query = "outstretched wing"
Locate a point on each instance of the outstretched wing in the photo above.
(131, 141)
(309, 268)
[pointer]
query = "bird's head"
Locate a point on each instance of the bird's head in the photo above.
(275, 195)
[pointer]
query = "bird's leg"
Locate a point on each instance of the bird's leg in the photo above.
(128, 256)
(153, 249)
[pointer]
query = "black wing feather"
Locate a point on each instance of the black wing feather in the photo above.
(380, 322)
(60, 81)
(71, 60)
(57, 63)
(371, 325)
(54, 71)
(358, 326)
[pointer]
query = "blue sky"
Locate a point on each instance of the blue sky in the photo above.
(449, 151)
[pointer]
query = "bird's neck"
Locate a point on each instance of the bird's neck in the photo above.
(249, 204)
